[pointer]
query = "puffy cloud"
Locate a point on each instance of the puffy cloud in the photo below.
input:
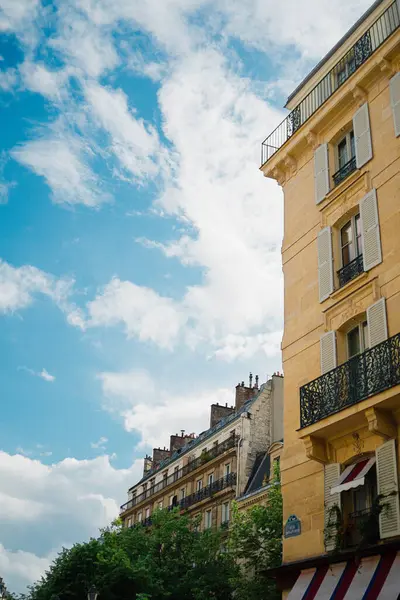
(57, 505)
(39, 79)
(14, 14)
(155, 413)
(43, 374)
(144, 313)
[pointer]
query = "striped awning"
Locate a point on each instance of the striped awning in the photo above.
(373, 578)
(353, 476)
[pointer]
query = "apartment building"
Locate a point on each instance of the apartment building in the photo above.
(202, 475)
(337, 157)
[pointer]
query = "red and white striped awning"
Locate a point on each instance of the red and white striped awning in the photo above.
(353, 476)
(373, 578)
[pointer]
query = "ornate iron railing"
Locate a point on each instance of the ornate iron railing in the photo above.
(174, 477)
(351, 270)
(365, 375)
(345, 171)
(208, 491)
(368, 43)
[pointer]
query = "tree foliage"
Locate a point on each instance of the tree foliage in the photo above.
(170, 560)
(256, 543)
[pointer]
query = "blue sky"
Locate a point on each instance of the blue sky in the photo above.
(140, 274)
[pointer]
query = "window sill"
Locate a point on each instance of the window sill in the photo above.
(355, 282)
(337, 190)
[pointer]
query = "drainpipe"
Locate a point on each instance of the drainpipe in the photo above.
(243, 416)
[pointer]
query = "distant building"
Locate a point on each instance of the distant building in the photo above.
(202, 475)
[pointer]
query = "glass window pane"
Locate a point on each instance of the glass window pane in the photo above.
(358, 235)
(352, 145)
(364, 329)
(353, 342)
(346, 234)
(342, 153)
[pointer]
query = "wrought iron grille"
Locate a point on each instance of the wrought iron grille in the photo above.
(351, 270)
(206, 492)
(345, 171)
(373, 371)
(368, 43)
(191, 466)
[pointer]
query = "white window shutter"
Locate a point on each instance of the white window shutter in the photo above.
(321, 172)
(362, 136)
(325, 263)
(386, 470)
(328, 352)
(331, 475)
(395, 101)
(377, 323)
(371, 237)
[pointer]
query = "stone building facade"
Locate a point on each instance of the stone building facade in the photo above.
(205, 473)
(337, 157)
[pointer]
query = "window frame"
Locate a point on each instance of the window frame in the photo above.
(356, 239)
(208, 521)
(362, 328)
(350, 147)
(225, 517)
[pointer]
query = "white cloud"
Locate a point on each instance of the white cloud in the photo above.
(39, 79)
(144, 313)
(134, 143)
(100, 444)
(43, 374)
(14, 14)
(61, 159)
(65, 502)
(8, 80)
(155, 413)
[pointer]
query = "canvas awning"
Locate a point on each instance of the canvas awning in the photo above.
(353, 476)
(373, 578)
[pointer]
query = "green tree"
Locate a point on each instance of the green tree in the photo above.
(169, 560)
(255, 542)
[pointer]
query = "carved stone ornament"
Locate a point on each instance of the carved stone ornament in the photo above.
(359, 94)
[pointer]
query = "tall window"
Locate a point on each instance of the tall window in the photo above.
(346, 150)
(208, 519)
(227, 469)
(160, 505)
(210, 479)
(357, 339)
(176, 473)
(199, 484)
(183, 493)
(225, 512)
(351, 242)
(139, 517)
(147, 513)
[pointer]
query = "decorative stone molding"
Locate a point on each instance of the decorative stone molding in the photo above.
(290, 164)
(380, 423)
(312, 139)
(385, 66)
(316, 449)
(359, 94)
(279, 176)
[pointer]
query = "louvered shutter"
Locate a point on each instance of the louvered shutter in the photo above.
(395, 101)
(331, 475)
(321, 172)
(371, 238)
(362, 136)
(377, 323)
(328, 352)
(325, 263)
(386, 470)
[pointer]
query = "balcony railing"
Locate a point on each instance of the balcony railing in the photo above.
(365, 46)
(364, 375)
(207, 492)
(191, 466)
(351, 270)
(345, 171)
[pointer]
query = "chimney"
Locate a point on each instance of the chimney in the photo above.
(148, 465)
(243, 393)
(159, 454)
(178, 441)
(219, 412)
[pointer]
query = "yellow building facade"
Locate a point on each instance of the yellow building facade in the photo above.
(337, 158)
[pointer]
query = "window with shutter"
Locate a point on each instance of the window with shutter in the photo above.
(377, 323)
(371, 238)
(362, 133)
(321, 172)
(328, 352)
(331, 475)
(325, 263)
(395, 102)
(388, 487)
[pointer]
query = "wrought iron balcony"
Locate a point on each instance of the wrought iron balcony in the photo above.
(351, 270)
(207, 492)
(205, 457)
(364, 375)
(345, 171)
(364, 47)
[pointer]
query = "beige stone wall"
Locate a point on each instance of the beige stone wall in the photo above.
(305, 318)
